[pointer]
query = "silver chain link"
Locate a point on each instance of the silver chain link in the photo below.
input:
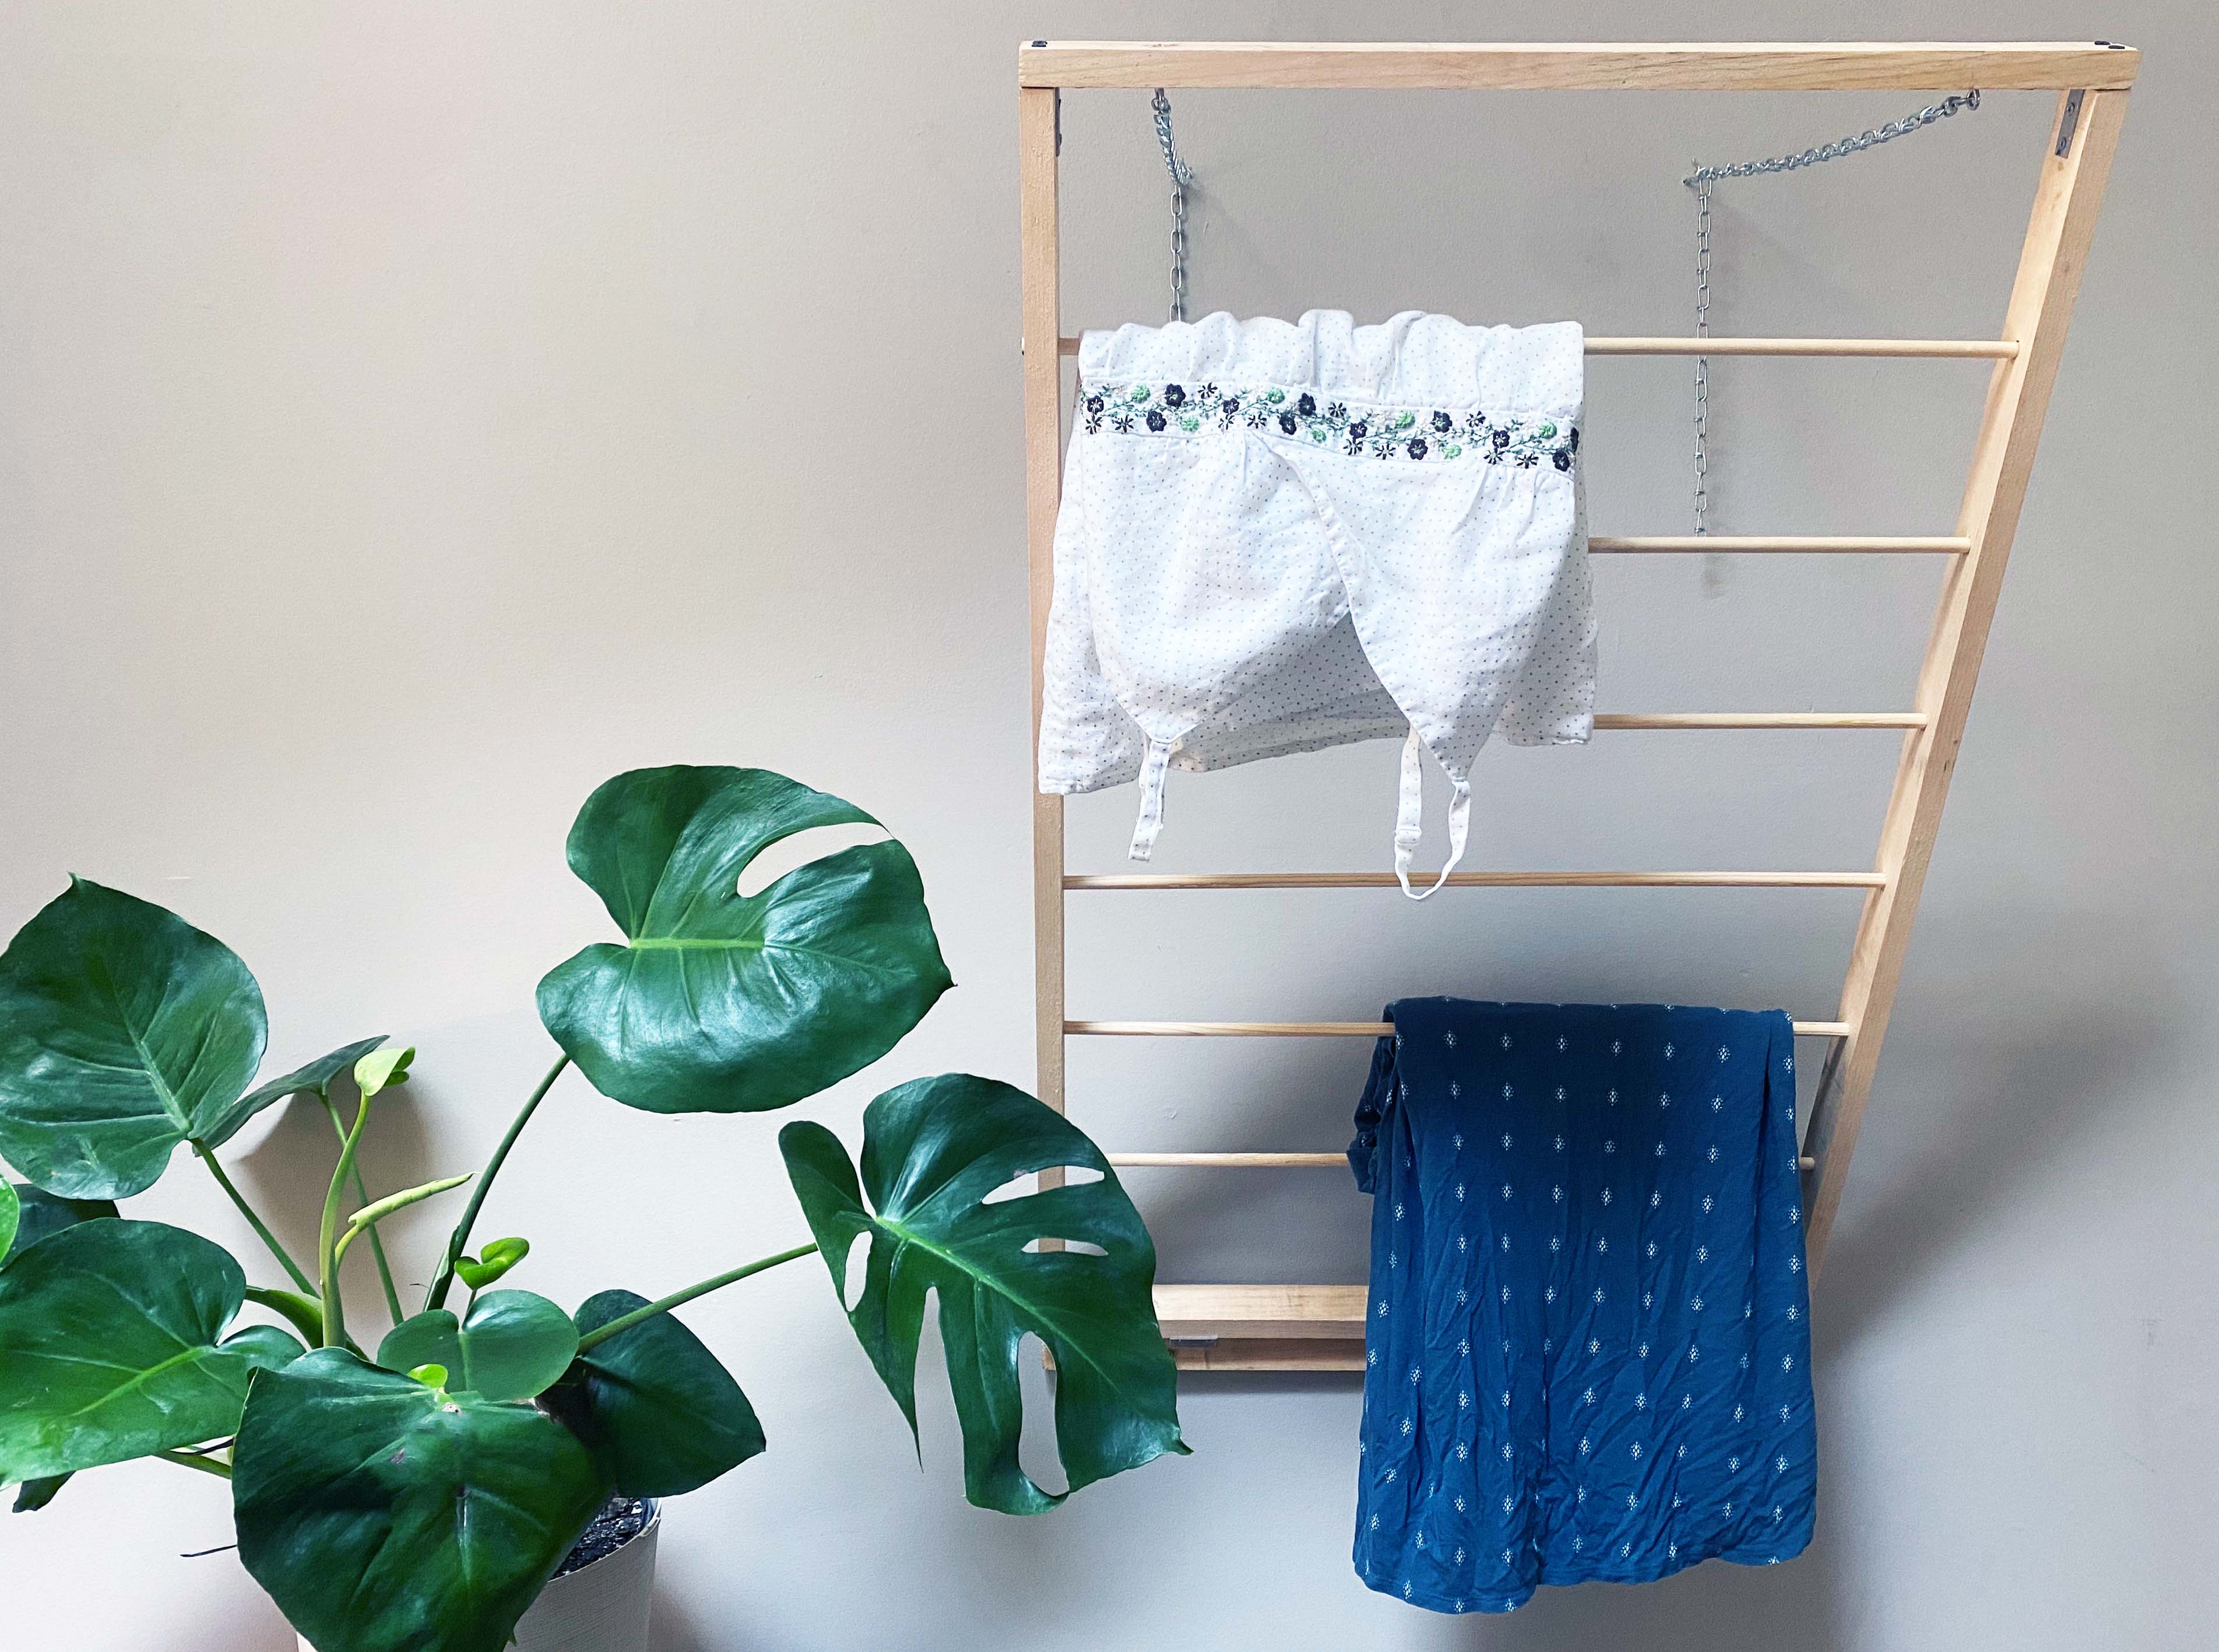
(1701, 180)
(1182, 175)
(1702, 362)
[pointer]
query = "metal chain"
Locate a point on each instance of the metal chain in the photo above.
(1701, 180)
(1182, 175)
(1702, 362)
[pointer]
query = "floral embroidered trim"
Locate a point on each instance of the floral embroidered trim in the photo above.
(1417, 434)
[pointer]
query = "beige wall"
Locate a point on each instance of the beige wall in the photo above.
(411, 415)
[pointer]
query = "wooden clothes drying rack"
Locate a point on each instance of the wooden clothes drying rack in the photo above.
(1319, 1327)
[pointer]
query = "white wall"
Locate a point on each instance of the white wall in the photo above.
(415, 414)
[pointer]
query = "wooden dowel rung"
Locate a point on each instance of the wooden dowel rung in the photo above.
(1787, 544)
(1313, 1029)
(1261, 1162)
(2003, 349)
(1479, 880)
(2000, 349)
(1230, 1161)
(1760, 720)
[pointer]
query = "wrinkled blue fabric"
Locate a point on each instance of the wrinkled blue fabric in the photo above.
(1588, 1347)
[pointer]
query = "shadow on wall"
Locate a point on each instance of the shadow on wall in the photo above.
(673, 1630)
(2028, 1066)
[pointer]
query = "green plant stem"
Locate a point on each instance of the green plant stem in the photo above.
(206, 1465)
(327, 1243)
(626, 1321)
(362, 1197)
(436, 1296)
(254, 1221)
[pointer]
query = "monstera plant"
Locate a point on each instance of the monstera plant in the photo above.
(414, 1488)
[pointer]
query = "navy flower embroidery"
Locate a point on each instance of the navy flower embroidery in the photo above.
(1423, 435)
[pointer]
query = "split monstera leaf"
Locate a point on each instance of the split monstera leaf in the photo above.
(720, 1003)
(933, 1153)
(416, 1497)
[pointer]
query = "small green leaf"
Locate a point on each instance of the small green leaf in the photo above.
(34, 1494)
(720, 1003)
(384, 1516)
(431, 1376)
(512, 1345)
(933, 1151)
(653, 1406)
(123, 1032)
(490, 1263)
(11, 1211)
(314, 1079)
(381, 1068)
(111, 1346)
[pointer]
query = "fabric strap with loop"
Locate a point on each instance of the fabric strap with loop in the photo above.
(1410, 819)
(1152, 768)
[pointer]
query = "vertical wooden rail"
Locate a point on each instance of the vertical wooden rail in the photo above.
(1043, 397)
(2067, 200)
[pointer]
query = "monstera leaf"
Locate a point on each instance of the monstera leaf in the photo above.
(658, 1413)
(511, 1345)
(719, 1002)
(39, 1213)
(385, 1516)
(123, 1032)
(109, 1349)
(314, 1079)
(933, 1150)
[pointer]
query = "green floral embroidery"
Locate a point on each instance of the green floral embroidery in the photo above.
(1416, 433)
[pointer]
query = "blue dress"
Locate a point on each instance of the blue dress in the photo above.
(1588, 1344)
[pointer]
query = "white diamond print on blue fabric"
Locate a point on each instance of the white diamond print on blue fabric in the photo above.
(1645, 1268)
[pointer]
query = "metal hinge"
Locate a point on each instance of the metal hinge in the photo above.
(2068, 122)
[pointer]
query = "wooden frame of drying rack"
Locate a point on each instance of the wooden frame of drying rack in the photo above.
(1319, 1327)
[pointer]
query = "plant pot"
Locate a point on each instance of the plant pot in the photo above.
(601, 1607)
